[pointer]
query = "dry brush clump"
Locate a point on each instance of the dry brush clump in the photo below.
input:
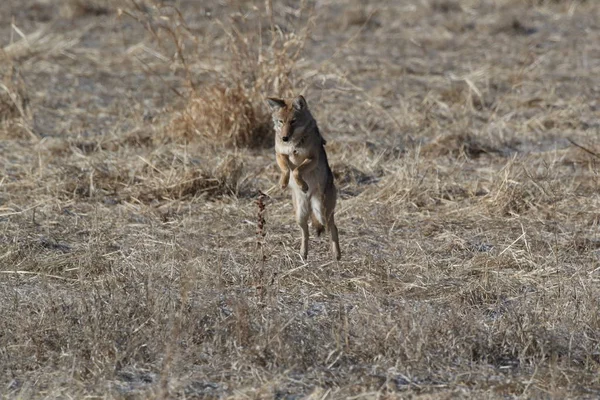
(225, 115)
(228, 108)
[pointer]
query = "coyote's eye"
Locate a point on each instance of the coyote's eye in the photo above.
(280, 121)
(293, 121)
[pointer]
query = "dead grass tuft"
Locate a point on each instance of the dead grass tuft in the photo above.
(90, 8)
(446, 6)
(348, 175)
(189, 184)
(229, 172)
(149, 182)
(458, 145)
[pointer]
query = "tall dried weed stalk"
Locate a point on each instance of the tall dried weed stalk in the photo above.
(260, 231)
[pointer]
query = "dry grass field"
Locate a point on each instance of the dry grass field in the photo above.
(147, 252)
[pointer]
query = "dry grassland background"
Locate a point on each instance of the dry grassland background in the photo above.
(134, 145)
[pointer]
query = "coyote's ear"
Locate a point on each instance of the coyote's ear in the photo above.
(299, 103)
(275, 103)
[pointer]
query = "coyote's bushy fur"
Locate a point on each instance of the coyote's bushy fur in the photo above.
(300, 150)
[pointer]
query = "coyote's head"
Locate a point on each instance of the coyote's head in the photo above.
(290, 116)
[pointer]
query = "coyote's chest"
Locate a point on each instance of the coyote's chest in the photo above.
(296, 152)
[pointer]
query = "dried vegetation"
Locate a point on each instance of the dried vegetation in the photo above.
(147, 252)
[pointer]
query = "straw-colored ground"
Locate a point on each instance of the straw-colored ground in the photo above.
(134, 144)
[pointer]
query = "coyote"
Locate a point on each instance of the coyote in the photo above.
(300, 150)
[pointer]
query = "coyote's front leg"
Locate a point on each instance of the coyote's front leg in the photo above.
(283, 162)
(307, 165)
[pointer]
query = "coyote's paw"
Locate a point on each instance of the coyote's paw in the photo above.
(283, 181)
(299, 181)
(303, 186)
